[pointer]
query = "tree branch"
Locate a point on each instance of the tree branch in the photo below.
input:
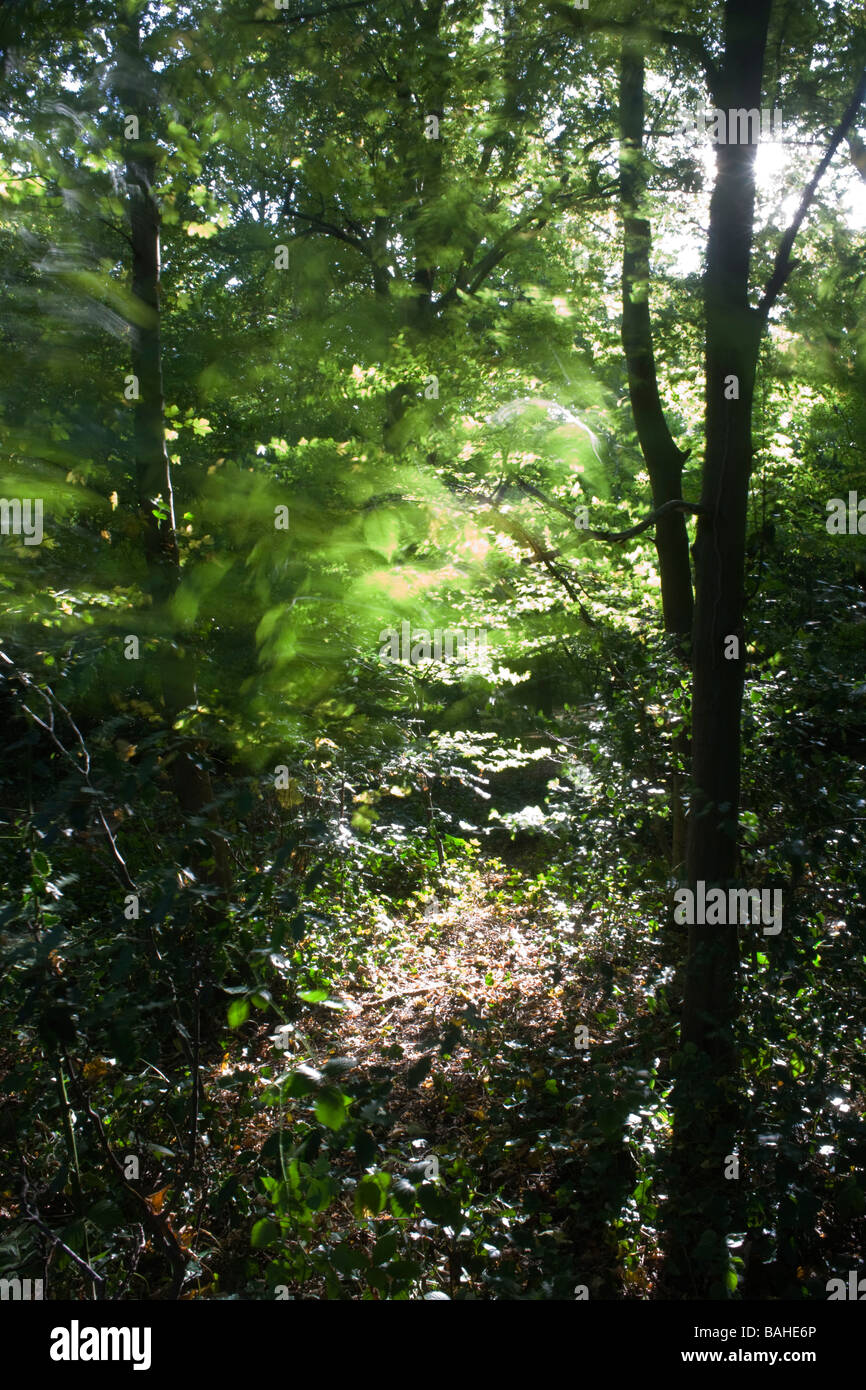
(328, 229)
(30, 1214)
(469, 281)
(83, 767)
(692, 44)
(676, 504)
(283, 17)
(529, 225)
(784, 264)
(555, 506)
(515, 528)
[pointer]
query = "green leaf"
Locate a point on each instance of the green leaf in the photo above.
(365, 1148)
(439, 1205)
(338, 1066)
(264, 1233)
(105, 1214)
(303, 1081)
(386, 1247)
(239, 1012)
(371, 1193)
(347, 1260)
(408, 1270)
(331, 1107)
(403, 1197)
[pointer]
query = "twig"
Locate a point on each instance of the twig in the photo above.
(153, 1221)
(398, 994)
(52, 701)
(30, 1215)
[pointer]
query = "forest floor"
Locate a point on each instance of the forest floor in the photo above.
(468, 960)
(472, 1019)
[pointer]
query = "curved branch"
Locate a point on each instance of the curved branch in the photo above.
(784, 264)
(675, 505)
(326, 228)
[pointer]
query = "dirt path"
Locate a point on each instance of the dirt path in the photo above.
(465, 1053)
(467, 961)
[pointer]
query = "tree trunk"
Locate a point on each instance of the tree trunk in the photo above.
(190, 778)
(705, 1103)
(664, 460)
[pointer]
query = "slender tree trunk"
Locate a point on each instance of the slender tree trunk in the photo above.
(706, 1111)
(733, 338)
(664, 460)
(152, 466)
(190, 777)
(422, 160)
